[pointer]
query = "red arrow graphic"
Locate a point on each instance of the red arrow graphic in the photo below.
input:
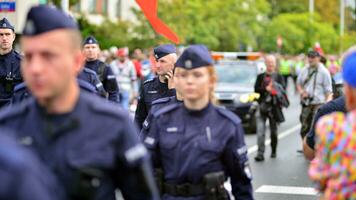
(149, 9)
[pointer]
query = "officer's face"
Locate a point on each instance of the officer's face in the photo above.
(194, 84)
(7, 37)
(51, 64)
(91, 51)
(164, 65)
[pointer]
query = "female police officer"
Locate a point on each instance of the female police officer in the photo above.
(196, 144)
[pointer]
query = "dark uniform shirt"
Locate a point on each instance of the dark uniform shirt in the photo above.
(336, 105)
(157, 105)
(10, 75)
(22, 176)
(107, 77)
(21, 91)
(190, 144)
(91, 77)
(93, 149)
(152, 89)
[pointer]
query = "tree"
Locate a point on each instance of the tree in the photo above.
(299, 33)
(221, 25)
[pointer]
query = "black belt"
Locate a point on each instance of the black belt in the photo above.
(185, 190)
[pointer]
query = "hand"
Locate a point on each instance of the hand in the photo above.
(304, 94)
(269, 87)
(169, 77)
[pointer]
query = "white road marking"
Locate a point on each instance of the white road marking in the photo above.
(286, 190)
(280, 136)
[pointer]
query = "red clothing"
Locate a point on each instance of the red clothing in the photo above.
(138, 68)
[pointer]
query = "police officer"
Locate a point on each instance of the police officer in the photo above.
(196, 144)
(90, 144)
(92, 78)
(10, 60)
(163, 102)
(23, 177)
(157, 87)
(104, 72)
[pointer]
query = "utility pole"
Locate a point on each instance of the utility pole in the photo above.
(342, 17)
(342, 24)
(311, 6)
(311, 20)
(65, 5)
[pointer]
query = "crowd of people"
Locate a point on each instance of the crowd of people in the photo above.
(63, 134)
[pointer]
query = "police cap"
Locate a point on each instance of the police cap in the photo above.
(43, 18)
(90, 40)
(5, 24)
(164, 50)
(195, 56)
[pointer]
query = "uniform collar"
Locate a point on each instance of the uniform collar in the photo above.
(201, 112)
(7, 54)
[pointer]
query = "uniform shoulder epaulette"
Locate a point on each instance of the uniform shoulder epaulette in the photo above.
(229, 115)
(87, 70)
(86, 86)
(13, 111)
(166, 109)
(20, 87)
(100, 106)
(149, 80)
(161, 100)
(17, 55)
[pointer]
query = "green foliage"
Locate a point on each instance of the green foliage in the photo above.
(299, 33)
(349, 40)
(231, 25)
(108, 33)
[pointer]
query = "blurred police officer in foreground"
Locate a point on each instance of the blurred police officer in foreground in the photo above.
(10, 60)
(159, 86)
(91, 52)
(197, 145)
(89, 144)
(22, 175)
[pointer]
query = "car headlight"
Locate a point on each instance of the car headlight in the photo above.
(246, 98)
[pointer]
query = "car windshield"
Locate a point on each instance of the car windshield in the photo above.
(236, 73)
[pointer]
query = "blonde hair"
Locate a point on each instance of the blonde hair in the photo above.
(213, 78)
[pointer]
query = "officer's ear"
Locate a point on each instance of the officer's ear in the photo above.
(13, 32)
(78, 62)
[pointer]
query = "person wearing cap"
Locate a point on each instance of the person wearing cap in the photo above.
(159, 86)
(196, 144)
(91, 52)
(90, 144)
(315, 88)
(10, 60)
(126, 77)
(163, 102)
(333, 168)
(23, 176)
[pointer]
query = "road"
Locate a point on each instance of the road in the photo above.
(284, 177)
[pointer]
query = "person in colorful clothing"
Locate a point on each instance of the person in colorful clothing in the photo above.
(334, 168)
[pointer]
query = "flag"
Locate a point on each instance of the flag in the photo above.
(149, 9)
